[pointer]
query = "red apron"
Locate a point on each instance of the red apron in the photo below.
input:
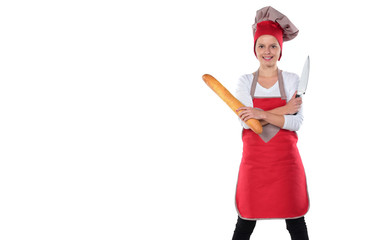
(271, 180)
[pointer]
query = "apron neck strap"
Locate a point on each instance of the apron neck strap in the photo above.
(280, 84)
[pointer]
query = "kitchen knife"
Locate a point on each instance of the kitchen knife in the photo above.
(303, 82)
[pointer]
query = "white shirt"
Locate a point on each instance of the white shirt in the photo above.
(290, 82)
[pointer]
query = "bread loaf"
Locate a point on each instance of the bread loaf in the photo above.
(230, 100)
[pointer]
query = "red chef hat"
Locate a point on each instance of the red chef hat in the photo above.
(269, 21)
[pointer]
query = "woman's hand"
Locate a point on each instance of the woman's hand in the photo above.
(246, 113)
(293, 106)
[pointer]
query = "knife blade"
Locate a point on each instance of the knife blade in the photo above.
(303, 82)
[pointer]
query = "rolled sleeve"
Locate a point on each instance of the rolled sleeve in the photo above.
(243, 94)
(294, 122)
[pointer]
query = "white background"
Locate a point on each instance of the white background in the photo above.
(107, 130)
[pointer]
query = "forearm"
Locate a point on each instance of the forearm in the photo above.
(285, 121)
(278, 111)
(246, 113)
(272, 118)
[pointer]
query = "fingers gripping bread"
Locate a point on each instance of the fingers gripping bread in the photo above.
(230, 100)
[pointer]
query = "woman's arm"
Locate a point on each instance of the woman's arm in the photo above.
(246, 113)
(278, 111)
(243, 93)
(274, 116)
(290, 108)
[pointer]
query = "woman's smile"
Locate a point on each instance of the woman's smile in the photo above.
(268, 58)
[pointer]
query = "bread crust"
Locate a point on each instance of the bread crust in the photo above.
(231, 101)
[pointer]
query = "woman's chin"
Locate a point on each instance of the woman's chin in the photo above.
(268, 64)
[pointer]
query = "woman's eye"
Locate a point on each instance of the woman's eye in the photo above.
(274, 46)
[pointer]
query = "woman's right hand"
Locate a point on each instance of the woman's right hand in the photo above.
(293, 106)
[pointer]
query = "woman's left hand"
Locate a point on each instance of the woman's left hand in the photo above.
(246, 113)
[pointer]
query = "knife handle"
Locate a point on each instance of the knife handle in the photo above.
(296, 96)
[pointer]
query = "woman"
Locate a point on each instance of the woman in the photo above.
(271, 180)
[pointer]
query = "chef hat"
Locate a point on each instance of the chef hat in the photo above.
(269, 21)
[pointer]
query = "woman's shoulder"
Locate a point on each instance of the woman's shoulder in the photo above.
(290, 76)
(246, 77)
(245, 80)
(290, 79)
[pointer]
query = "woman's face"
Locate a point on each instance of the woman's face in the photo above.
(267, 50)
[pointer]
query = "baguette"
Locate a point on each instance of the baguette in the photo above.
(231, 101)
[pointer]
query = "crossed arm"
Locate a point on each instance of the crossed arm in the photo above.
(274, 116)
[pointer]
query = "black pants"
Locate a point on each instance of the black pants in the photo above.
(296, 227)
